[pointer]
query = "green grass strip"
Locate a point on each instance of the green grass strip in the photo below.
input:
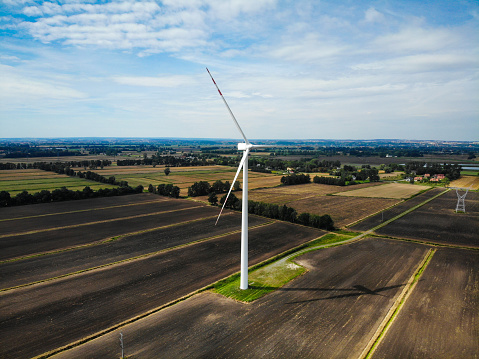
(142, 256)
(274, 273)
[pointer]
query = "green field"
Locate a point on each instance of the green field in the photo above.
(33, 181)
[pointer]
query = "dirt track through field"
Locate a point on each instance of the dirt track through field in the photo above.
(437, 222)
(392, 212)
(44, 267)
(329, 312)
(440, 319)
(54, 240)
(92, 301)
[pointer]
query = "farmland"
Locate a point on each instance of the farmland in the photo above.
(467, 182)
(311, 317)
(113, 274)
(35, 180)
(437, 222)
(315, 198)
(391, 190)
(92, 268)
(184, 177)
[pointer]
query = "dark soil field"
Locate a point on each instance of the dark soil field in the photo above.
(392, 212)
(54, 240)
(332, 311)
(48, 266)
(437, 222)
(42, 222)
(68, 309)
(80, 205)
(441, 318)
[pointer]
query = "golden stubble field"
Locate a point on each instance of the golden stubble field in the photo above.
(390, 190)
(466, 182)
(321, 199)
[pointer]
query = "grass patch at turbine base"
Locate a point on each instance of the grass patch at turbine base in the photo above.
(261, 281)
(272, 275)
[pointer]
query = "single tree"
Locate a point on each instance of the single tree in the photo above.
(167, 171)
(213, 198)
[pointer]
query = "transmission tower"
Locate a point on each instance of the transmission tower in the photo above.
(461, 204)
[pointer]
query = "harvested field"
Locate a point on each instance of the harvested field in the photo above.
(14, 246)
(331, 311)
(343, 210)
(39, 268)
(392, 212)
(184, 177)
(313, 198)
(92, 301)
(466, 182)
(440, 319)
(43, 209)
(437, 222)
(390, 190)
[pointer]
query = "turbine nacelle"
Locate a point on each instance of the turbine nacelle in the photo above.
(244, 146)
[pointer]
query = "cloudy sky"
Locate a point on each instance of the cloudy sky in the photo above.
(289, 69)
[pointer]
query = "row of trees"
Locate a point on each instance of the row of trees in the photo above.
(165, 190)
(63, 194)
(335, 181)
(282, 213)
(295, 179)
(204, 188)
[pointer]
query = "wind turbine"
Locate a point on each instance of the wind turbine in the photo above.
(245, 146)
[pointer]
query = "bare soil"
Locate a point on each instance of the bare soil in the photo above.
(392, 212)
(437, 222)
(440, 319)
(330, 312)
(57, 264)
(80, 205)
(54, 240)
(38, 223)
(69, 309)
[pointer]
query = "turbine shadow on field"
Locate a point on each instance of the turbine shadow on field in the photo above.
(355, 291)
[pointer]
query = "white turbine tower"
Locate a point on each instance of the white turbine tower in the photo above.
(245, 146)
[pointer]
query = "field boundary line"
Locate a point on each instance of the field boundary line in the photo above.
(426, 242)
(157, 309)
(95, 222)
(103, 241)
(406, 212)
(373, 214)
(397, 306)
(394, 205)
(80, 210)
(135, 258)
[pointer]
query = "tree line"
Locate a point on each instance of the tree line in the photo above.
(163, 189)
(282, 213)
(295, 179)
(63, 194)
(204, 188)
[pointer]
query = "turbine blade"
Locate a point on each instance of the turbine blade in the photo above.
(231, 113)
(245, 156)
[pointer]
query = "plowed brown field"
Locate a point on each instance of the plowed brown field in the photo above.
(330, 312)
(440, 318)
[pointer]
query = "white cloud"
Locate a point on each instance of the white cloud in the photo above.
(17, 88)
(164, 81)
(372, 15)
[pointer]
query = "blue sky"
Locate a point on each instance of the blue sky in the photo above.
(289, 69)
